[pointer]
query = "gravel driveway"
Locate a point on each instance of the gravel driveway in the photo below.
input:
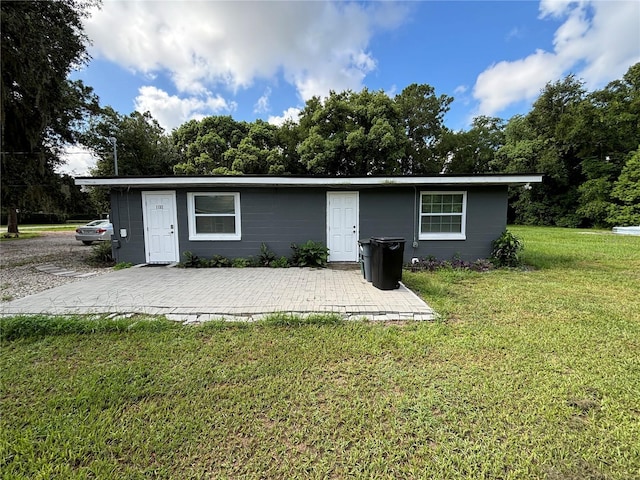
(20, 259)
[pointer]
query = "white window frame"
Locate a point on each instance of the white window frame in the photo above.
(462, 235)
(193, 235)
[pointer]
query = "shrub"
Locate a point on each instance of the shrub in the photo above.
(192, 261)
(218, 261)
(309, 254)
(240, 263)
(431, 264)
(101, 255)
(282, 262)
(506, 250)
(266, 256)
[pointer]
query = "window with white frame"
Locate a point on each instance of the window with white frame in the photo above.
(214, 216)
(443, 215)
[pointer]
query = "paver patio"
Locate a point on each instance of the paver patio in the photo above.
(231, 293)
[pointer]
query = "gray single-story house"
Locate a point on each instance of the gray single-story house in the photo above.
(157, 219)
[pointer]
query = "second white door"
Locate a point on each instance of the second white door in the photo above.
(342, 226)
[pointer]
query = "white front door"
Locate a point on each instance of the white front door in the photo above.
(160, 227)
(342, 226)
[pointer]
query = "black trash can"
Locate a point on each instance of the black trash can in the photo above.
(386, 262)
(365, 258)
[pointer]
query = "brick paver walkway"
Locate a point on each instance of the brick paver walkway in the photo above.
(232, 293)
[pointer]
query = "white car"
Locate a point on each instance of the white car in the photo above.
(95, 231)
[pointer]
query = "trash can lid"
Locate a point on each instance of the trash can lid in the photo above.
(364, 241)
(387, 239)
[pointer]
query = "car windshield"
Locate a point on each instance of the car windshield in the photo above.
(95, 223)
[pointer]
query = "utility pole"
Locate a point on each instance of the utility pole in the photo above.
(115, 154)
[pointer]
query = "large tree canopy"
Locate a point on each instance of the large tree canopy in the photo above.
(353, 134)
(625, 210)
(580, 142)
(201, 145)
(141, 146)
(346, 133)
(41, 108)
(472, 151)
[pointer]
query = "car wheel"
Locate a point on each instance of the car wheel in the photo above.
(86, 242)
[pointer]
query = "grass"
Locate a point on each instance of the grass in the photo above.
(531, 373)
(23, 236)
(31, 231)
(60, 227)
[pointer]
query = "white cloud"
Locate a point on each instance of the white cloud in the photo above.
(555, 8)
(514, 33)
(506, 83)
(289, 114)
(598, 41)
(316, 46)
(78, 161)
(171, 111)
(262, 105)
(460, 89)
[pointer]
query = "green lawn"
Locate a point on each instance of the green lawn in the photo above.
(31, 231)
(534, 373)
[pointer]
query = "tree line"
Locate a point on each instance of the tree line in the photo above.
(587, 144)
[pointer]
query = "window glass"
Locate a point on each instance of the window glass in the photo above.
(215, 224)
(215, 204)
(442, 215)
(446, 224)
(214, 216)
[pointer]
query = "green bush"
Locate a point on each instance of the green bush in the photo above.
(218, 261)
(309, 254)
(193, 261)
(282, 262)
(506, 250)
(266, 256)
(101, 255)
(240, 263)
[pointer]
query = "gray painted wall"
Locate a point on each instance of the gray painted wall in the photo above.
(275, 216)
(280, 216)
(126, 212)
(486, 220)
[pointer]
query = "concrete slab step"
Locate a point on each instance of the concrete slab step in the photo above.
(343, 265)
(63, 272)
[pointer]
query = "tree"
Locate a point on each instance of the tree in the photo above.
(201, 145)
(257, 152)
(422, 114)
(41, 108)
(142, 146)
(579, 141)
(288, 139)
(609, 128)
(626, 192)
(368, 133)
(473, 151)
(545, 141)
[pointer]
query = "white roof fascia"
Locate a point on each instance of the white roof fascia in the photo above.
(242, 181)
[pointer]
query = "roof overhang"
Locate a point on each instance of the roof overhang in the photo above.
(330, 182)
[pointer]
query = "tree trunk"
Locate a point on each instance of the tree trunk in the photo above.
(12, 221)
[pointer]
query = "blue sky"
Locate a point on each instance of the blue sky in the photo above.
(264, 59)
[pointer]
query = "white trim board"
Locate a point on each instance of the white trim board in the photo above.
(337, 182)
